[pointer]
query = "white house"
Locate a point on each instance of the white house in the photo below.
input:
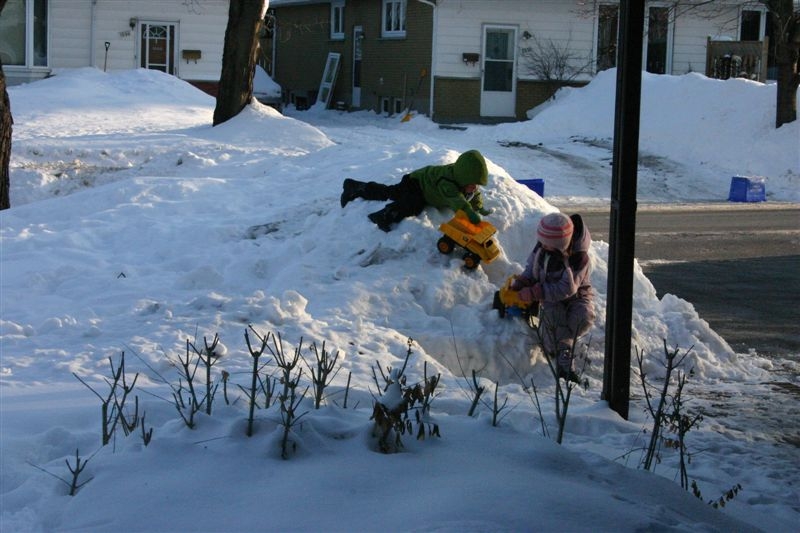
(477, 56)
(451, 59)
(181, 37)
(506, 36)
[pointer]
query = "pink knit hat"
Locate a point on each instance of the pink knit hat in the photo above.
(555, 231)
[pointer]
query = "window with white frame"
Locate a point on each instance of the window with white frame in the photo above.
(755, 25)
(658, 40)
(337, 19)
(393, 19)
(24, 31)
(752, 25)
(607, 30)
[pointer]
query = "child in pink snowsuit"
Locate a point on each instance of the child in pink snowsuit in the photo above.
(557, 277)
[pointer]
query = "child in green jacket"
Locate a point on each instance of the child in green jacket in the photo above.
(454, 186)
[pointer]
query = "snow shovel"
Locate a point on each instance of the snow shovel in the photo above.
(408, 114)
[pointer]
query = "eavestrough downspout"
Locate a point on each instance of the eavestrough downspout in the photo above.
(432, 3)
(92, 28)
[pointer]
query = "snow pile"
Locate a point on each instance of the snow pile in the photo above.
(136, 226)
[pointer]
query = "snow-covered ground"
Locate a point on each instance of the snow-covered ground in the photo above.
(136, 226)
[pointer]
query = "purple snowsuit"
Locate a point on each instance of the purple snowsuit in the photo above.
(564, 289)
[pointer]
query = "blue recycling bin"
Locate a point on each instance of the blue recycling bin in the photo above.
(747, 189)
(536, 185)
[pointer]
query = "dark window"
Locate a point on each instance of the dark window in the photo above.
(751, 26)
(657, 31)
(607, 28)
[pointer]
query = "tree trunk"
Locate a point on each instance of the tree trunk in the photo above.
(238, 58)
(787, 58)
(5, 138)
(788, 82)
(5, 135)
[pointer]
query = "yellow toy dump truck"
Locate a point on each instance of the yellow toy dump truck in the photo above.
(508, 303)
(477, 239)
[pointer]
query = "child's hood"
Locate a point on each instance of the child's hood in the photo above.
(581, 238)
(470, 168)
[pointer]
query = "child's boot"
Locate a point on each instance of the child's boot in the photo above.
(386, 217)
(564, 364)
(351, 189)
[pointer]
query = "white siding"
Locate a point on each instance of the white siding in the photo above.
(692, 33)
(70, 23)
(201, 26)
(569, 24)
(461, 28)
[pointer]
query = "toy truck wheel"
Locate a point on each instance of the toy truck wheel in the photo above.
(498, 304)
(471, 260)
(532, 315)
(446, 245)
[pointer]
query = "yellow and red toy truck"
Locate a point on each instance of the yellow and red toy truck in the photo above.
(477, 239)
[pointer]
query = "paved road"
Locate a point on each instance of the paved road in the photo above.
(738, 264)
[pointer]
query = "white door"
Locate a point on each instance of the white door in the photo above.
(499, 72)
(158, 46)
(328, 79)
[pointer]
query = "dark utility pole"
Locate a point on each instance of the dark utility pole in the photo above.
(622, 230)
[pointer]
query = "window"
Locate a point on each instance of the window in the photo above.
(658, 29)
(337, 20)
(23, 28)
(755, 25)
(751, 29)
(393, 18)
(607, 28)
(657, 48)
(498, 65)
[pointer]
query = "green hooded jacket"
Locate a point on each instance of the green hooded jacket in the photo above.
(442, 185)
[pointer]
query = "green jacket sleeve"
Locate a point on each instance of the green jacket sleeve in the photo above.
(477, 202)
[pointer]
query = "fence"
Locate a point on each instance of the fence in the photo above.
(737, 59)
